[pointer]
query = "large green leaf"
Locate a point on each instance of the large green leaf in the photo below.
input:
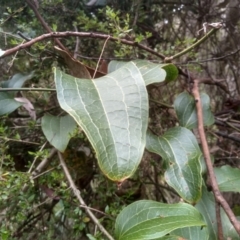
(228, 178)
(151, 72)
(184, 106)
(7, 103)
(206, 206)
(179, 148)
(148, 219)
(58, 130)
(113, 112)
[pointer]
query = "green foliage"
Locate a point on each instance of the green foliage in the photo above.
(113, 113)
(151, 220)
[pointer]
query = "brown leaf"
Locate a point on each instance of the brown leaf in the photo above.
(77, 68)
(28, 106)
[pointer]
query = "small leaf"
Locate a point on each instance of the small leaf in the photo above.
(148, 219)
(7, 103)
(179, 148)
(113, 112)
(206, 206)
(228, 178)
(17, 80)
(186, 111)
(57, 130)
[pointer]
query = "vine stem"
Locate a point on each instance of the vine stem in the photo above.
(80, 199)
(186, 50)
(216, 192)
(27, 89)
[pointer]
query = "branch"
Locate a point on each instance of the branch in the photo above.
(40, 18)
(81, 201)
(217, 194)
(27, 89)
(200, 41)
(82, 35)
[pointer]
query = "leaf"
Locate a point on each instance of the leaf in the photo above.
(228, 178)
(17, 80)
(151, 72)
(179, 148)
(196, 233)
(77, 68)
(206, 206)
(148, 219)
(57, 130)
(28, 106)
(7, 103)
(113, 112)
(185, 109)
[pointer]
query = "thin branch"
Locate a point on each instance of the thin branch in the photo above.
(35, 159)
(77, 44)
(27, 89)
(217, 194)
(44, 163)
(82, 35)
(104, 45)
(80, 199)
(235, 139)
(32, 5)
(200, 41)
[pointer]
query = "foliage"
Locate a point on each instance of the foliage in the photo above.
(136, 136)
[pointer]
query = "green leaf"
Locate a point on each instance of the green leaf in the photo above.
(196, 233)
(179, 148)
(58, 130)
(151, 72)
(113, 112)
(8, 104)
(206, 206)
(17, 80)
(148, 219)
(228, 178)
(185, 108)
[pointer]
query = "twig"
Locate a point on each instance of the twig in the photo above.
(200, 41)
(104, 45)
(35, 159)
(44, 163)
(40, 18)
(27, 89)
(77, 43)
(81, 201)
(236, 139)
(79, 34)
(12, 61)
(217, 194)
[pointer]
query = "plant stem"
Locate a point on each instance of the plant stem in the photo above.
(200, 41)
(216, 192)
(80, 199)
(27, 89)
